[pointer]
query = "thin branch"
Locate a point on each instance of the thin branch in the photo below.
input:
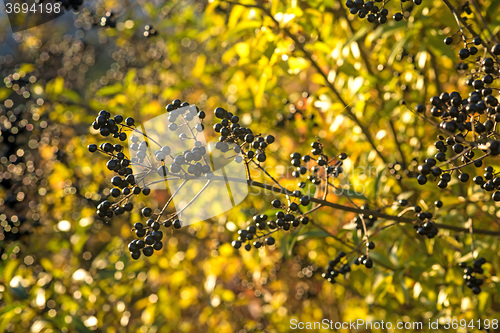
(467, 26)
(320, 71)
(483, 21)
(400, 219)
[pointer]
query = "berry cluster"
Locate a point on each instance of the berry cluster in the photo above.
(164, 161)
(152, 238)
(469, 124)
(364, 260)
(470, 272)
(424, 220)
(261, 228)
(118, 162)
(368, 219)
(107, 125)
(374, 13)
(340, 265)
(253, 146)
(426, 228)
(147, 166)
(127, 183)
(469, 49)
(318, 167)
(336, 267)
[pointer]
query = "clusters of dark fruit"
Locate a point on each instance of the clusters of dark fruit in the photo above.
(470, 272)
(469, 49)
(374, 13)
(364, 260)
(469, 124)
(107, 125)
(336, 267)
(424, 225)
(340, 265)
(368, 219)
(317, 168)
(261, 228)
(321, 161)
(126, 184)
(252, 145)
(188, 164)
(149, 237)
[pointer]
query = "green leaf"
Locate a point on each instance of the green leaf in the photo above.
(397, 49)
(376, 185)
(8, 309)
(71, 96)
(55, 87)
(435, 43)
(79, 325)
(348, 69)
(382, 259)
(110, 90)
(357, 35)
(316, 233)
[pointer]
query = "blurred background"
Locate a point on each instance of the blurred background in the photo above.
(64, 270)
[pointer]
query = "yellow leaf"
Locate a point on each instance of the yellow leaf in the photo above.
(199, 67)
(296, 65)
(242, 49)
(260, 92)
(56, 86)
(228, 295)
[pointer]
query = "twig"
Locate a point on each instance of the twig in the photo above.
(329, 84)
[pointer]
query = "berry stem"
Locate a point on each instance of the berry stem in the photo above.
(399, 219)
(194, 198)
(467, 26)
(170, 200)
(467, 163)
(320, 71)
(483, 21)
(274, 180)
